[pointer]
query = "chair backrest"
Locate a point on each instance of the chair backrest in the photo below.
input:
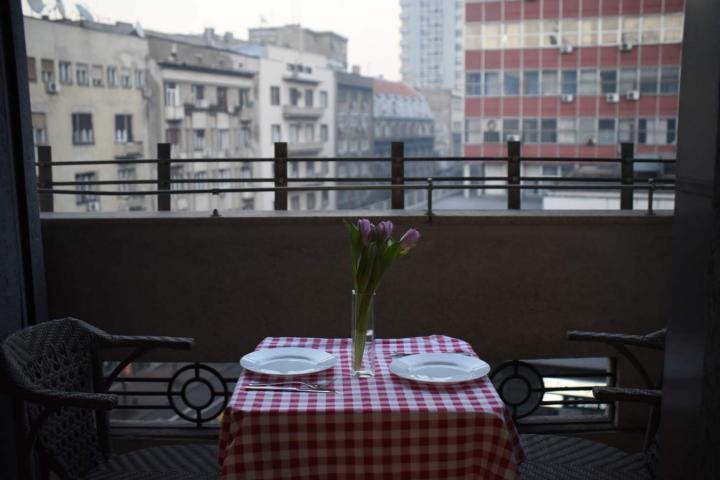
(59, 355)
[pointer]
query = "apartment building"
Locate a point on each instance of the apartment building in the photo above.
(204, 106)
(88, 90)
(295, 37)
(432, 43)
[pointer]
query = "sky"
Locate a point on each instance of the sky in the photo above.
(371, 26)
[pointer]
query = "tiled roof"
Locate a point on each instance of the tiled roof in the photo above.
(394, 88)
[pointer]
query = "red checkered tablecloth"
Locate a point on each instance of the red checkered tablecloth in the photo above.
(384, 427)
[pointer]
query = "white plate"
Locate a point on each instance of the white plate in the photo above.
(439, 367)
(288, 361)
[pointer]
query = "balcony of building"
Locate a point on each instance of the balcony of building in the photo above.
(128, 149)
(305, 148)
(174, 113)
(295, 112)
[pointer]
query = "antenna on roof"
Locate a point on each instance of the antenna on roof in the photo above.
(84, 13)
(263, 20)
(60, 7)
(139, 30)
(37, 6)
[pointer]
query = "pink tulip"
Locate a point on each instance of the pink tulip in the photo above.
(384, 230)
(410, 238)
(367, 230)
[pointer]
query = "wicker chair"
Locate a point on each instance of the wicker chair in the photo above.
(555, 457)
(55, 368)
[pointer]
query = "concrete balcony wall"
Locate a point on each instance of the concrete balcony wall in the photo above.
(510, 283)
(298, 112)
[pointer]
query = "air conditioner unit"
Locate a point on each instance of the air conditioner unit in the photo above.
(566, 48)
(633, 95)
(567, 98)
(52, 87)
(625, 47)
(592, 141)
(612, 98)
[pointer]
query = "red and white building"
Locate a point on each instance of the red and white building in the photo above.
(572, 78)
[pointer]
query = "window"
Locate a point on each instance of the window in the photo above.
(608, 81)
(511, 84)
(325, 201)
(630, 30)
(274, 95)
(39, 123)
(97, 76)
(566, 131)
(81, 74)
(610, 29)
(657, 132)
(309, 98)
(127, 173)
(311, 201)
(222, 139)
(492, 84)
(222, 99)
(82, 126)
(47, 71)
(568, 82)
(531, 82)
(628, 80)
(589, 32)
(651, 29)
(200, 179)
(172, 136)
(276, 133)
(172, 98)
(569, 31)
(588, 82)
(548, 130)
(672, 28)
(491, 36)
(244, 97)
(295, 96)
(309, 132)
(32, 69)
(65, 69)
(123, 128)
(649, 81)
(112, 77)
(491, 132)
(139, 79)
(294, 133)
(670, 80)
(245, 137)
(550, 83)
(84, 196)
(310, 169)
(511, 129)
(199, 139)
(586, 131)
(324, 132)
(295, 202)
(626, 130)
(606, 131)
(125, 79)
(473, 84)
(473, 130)
(531, 34)
(512, 37)
(323, 99)
(530, 132)
(177, 173)
(551, 33)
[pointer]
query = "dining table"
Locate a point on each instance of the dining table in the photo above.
(383, 427)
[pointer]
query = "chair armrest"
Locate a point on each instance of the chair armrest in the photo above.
(619, 394)
(654, 340)
(58, 398)
(148, 342)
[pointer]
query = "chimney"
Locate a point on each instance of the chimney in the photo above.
(209, 36)
(228, 37)
(356, 69)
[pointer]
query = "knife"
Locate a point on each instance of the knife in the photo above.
(287, 389)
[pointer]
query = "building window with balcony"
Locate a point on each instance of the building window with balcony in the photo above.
(97, 76)
(323, 99)
(125, 79)
(31, 69)
(245, 137)
(81, 74)
(47, 71)
(276, 133)
(566, 131)
(294, 133)
(669, 80)
(309, 98)
(309, 132)
(491, 84)
(222, 99)
(568, 82)
(606, 131)
(84, 197)
(198, 94)
(222, 139)
(39, 124)
(123, 128)
(649, 81)
(550, 86)
(244, 98)
(199, 139)
(172, 96)
(139, 79)
(112, 77)
(608, 81)
(65, 71)
(531, 82)
(274, 95)
(548, 130)
(324, 133)
(588, 82)
(127, 173)
(295, 96)
(511, 83)
(82, 126)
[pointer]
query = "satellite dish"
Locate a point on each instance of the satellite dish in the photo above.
(139, 30)
(37, 6)
(84, 13)
(60, 6)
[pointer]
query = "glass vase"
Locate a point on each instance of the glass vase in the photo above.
(363, 335)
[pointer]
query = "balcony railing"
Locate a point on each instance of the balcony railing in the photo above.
(298, 111)
(397, 184)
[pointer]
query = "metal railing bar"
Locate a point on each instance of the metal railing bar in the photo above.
(589, 401)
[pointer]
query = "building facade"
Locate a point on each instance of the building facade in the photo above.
(88, 95)
(295, 37)
(432, 43)
(572, 78)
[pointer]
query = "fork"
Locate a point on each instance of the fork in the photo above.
(321, 385)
